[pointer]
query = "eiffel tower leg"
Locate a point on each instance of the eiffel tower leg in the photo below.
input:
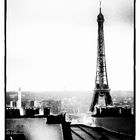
(108, 99)
(94, 100)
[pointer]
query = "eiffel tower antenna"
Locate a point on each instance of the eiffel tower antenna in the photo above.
(100, 6)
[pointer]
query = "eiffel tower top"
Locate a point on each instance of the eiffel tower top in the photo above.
(100, 16)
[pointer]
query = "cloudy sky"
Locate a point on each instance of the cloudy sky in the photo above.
(52, 45)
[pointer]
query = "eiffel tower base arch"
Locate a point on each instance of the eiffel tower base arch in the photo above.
(98, 94)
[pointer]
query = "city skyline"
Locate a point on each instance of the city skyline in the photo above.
(53, 45)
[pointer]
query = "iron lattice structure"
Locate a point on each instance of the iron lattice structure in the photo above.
(101, 80)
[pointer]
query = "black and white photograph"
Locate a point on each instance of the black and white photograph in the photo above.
(70, 70)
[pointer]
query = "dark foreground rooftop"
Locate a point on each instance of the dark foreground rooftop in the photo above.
(83, 132)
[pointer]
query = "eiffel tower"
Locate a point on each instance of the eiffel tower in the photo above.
(101, 90)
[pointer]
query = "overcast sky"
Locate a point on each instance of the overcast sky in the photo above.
(52, 44)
